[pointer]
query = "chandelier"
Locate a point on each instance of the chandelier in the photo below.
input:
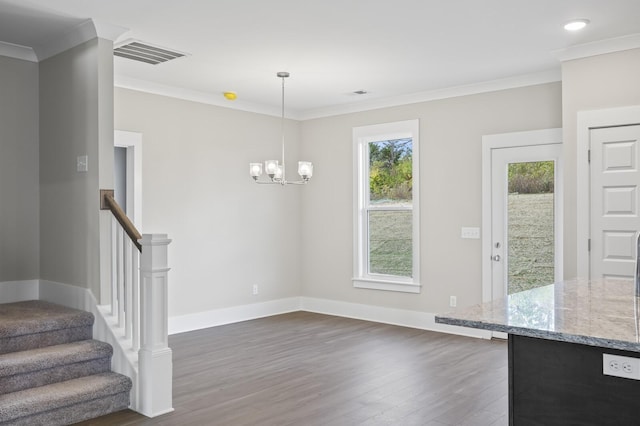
(275, 171)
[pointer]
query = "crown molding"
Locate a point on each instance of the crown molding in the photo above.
(600, 47)
(548, 76)
(109, 31)
(18, 52)
(81, 33)
(208, 98)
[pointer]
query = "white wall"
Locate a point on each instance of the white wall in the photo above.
(597, 82)
(76, 117)
(451, 133)
(228, 233)
(19, 187)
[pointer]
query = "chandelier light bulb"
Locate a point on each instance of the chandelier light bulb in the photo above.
(278, 174)
(305, 169)
(271, 166)
(255, 169)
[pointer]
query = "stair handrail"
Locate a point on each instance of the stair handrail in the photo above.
(139, 305)
(108, 202)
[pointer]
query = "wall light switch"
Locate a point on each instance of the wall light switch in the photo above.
(470, 233)
(82, 163)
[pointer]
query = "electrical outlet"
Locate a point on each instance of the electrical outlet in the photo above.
(621, 366)
(453, 301)
(255, 289)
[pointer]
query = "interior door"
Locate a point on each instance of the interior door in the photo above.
(615, 175)
(526, 235)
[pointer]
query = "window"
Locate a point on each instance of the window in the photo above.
(386, 216)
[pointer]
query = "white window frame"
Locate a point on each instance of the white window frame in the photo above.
(362, 136)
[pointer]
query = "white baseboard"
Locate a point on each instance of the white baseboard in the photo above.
(206, 319)
(19, 291)
(401, 317)
(81, 298)
(67, 295)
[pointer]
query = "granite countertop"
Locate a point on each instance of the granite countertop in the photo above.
(597, 313)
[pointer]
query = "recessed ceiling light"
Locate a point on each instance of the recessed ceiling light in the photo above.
(576, 24)
(231, 96)
(360, 92)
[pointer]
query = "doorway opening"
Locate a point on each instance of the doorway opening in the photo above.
(128, 174)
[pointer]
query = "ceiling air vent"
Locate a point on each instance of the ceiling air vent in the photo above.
(144, 52)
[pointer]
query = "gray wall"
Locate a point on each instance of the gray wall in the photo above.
(19, 188)
(76, 117)
(289, 241)
(597, 82)
(451, 133)
(228, 233)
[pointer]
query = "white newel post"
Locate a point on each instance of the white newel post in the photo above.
(154, 357)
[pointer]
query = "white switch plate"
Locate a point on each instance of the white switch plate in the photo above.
(82, 163)
(470, 233)
(621, 366)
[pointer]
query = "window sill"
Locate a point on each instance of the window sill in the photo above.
(388, 285)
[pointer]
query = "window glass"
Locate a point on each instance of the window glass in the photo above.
(386, 244)
(390, 171)
(390, 243)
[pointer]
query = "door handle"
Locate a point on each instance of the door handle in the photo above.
(496, 258)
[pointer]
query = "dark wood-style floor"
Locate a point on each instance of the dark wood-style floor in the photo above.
(310, 369)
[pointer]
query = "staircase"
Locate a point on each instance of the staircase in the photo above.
(51, 371)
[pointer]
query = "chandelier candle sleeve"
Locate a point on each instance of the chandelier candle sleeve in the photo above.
(277, 171)
(271, 167)
(255, 169)
(305, 169)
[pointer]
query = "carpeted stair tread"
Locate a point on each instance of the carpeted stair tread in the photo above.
(51, 364)
(51, 371)
(37, 316)
(73, 414)
(52, 356)
(40, 400)
(36, 324)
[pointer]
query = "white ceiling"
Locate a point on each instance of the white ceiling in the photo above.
(395, 50)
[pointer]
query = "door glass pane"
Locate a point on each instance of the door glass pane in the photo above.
(530, 232)
(390, 242)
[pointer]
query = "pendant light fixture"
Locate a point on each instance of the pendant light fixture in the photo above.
(275, 171)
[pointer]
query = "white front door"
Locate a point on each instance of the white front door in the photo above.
(615, 176)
